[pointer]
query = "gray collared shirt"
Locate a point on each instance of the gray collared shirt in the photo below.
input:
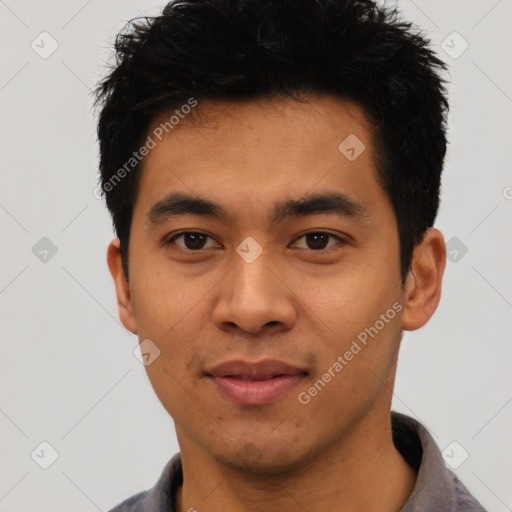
(437, 489)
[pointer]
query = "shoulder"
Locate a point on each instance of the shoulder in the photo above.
(464, 500)
(161, 497)
(133, 504)
(437, 487)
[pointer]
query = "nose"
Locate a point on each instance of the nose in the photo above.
(254, 299)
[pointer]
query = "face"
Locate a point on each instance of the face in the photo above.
(255, 238)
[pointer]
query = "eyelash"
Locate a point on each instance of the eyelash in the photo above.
(170, 240)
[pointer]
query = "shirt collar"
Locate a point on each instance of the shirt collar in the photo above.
(434, 488)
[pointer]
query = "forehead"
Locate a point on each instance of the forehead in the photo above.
(222, 119)
(259, 150)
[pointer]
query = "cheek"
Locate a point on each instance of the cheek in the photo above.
(354, 372)
(350, 300)
(163, 298)
(358, 319)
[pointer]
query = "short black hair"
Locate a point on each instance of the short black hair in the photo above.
(248, 49)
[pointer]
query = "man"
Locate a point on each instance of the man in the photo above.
(273, 174)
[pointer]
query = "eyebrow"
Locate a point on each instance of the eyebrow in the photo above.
(180, 203)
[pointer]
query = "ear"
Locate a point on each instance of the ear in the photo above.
(423, 282)
(124, 298)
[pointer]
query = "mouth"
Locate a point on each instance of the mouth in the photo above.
(260, 383)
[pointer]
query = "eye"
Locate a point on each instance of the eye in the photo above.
(318, 240)
(192, 241)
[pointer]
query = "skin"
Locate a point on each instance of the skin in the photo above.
(295, 303)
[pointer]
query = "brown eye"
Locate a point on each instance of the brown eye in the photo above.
(192, 241)
(319, 240)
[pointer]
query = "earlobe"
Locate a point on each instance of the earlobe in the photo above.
(422, 291)
(123, 293)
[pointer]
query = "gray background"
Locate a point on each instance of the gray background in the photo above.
(68, 375)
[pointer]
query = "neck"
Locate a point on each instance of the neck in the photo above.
(363, 471)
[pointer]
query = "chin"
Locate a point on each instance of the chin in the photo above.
(255, 459)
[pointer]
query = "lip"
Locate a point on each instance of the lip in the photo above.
(255, 383)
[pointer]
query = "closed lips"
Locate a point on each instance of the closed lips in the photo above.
(255, 384)
(263, 370)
